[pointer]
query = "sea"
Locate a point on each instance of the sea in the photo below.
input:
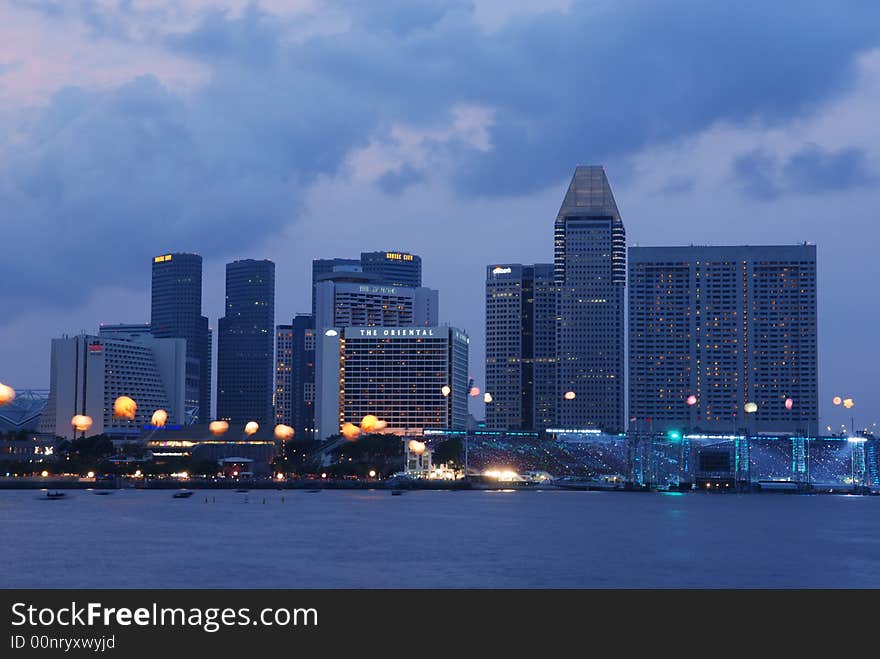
(438, 539)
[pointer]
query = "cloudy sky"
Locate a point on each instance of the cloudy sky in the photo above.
(302, 128)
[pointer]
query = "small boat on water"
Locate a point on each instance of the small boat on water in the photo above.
(313, 491)
(396, 493)
(103, 493)
(52, 496)
(185, 494)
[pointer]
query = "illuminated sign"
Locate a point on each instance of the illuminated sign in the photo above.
(397, 332)
(498, 270)
(162, 259)
(397, 256)
(95, 348)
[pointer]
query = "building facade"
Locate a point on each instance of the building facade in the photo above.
(395, 373)
(88, 373)
(344, 303)
(394, 268)
(521, 329)
(590, 271)
(176, 313)
(245, 343)
(714, 328)
(295, 376)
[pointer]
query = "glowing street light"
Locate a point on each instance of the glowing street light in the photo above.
(124, 408)
(789, 403)
(81, 422)
(487, 397)
(251, 427)
(160, 417)
(691, 400)
(848, 403)
(350, 431)
(283, 432)
(474, 392)
(750, 408)
(570, 395)
(416, 446)
(445, 390)
(837, 400)
(217, 428)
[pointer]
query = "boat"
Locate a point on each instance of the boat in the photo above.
(396, 493)
(185, 494)
(103, 493)
(313, 490)
(242, 491)
(51, 496)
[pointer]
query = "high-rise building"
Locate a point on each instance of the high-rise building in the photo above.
(344, 301)
(295, 375)
(521, 331)
(714, 328)
(590, 270)
(394, 268)
(245, 343)
(88, 373)
(395, 373)
(176, 313)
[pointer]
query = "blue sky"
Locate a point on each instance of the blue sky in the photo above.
(300, 129)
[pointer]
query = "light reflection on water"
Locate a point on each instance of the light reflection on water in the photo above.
(437, 539)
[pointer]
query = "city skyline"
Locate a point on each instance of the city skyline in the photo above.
(464, 171)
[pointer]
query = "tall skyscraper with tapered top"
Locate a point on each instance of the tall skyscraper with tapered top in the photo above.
(246, 344)
(176, 313)
(590, 270)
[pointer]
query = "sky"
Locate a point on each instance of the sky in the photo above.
(300, 129)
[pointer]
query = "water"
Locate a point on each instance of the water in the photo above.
(337, 539)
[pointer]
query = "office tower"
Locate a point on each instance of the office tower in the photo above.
(394, 268)
(728, 326)
(176, 313)
(323, 267)
(590, 270)
(295, 375)
(245, 343)
(347, 299)
(521, 346)
(88, 373)
(395, 373)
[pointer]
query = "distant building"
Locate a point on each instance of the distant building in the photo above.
(590, 270)
(726, 326)
(125, 330)
(395, 373)
(88, 373)
(521, 362)
(245, 343)
(348, 303)
(295, 375)
(176, 313)
(394, 268)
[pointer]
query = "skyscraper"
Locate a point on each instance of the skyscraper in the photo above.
(295, 375)
(521, 346)
(176, 313)
(345, 299)
(714, 328)
(395, 373)
(394, 268)
(590, 270)
(245, 347)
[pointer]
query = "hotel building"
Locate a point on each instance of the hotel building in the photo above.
(714, 328)
(395, 373)
(88, 373)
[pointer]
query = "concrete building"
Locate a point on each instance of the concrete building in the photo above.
(295, 375)
(88, 373)
(394, 268)
(590, 270)
(176, 313)
(714, 328)
(395, 373)
(521, 360)
(346, 303)
(245, 343)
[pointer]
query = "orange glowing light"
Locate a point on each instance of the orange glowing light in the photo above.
(474, 392)
(416, 446)
(159, 418)
(691, 400)
(251, 427)
(81, 422)
(570, 395)
(837, 400)
(124, 408)
(848, 403)
(283, 432)
(350, 431)
(217, 428)
(369, 423)
(7, 394)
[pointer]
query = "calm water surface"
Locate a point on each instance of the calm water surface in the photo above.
(360, 539)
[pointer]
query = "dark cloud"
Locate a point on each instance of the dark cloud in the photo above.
(98, 181)
(812, 170)
(398, 180)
